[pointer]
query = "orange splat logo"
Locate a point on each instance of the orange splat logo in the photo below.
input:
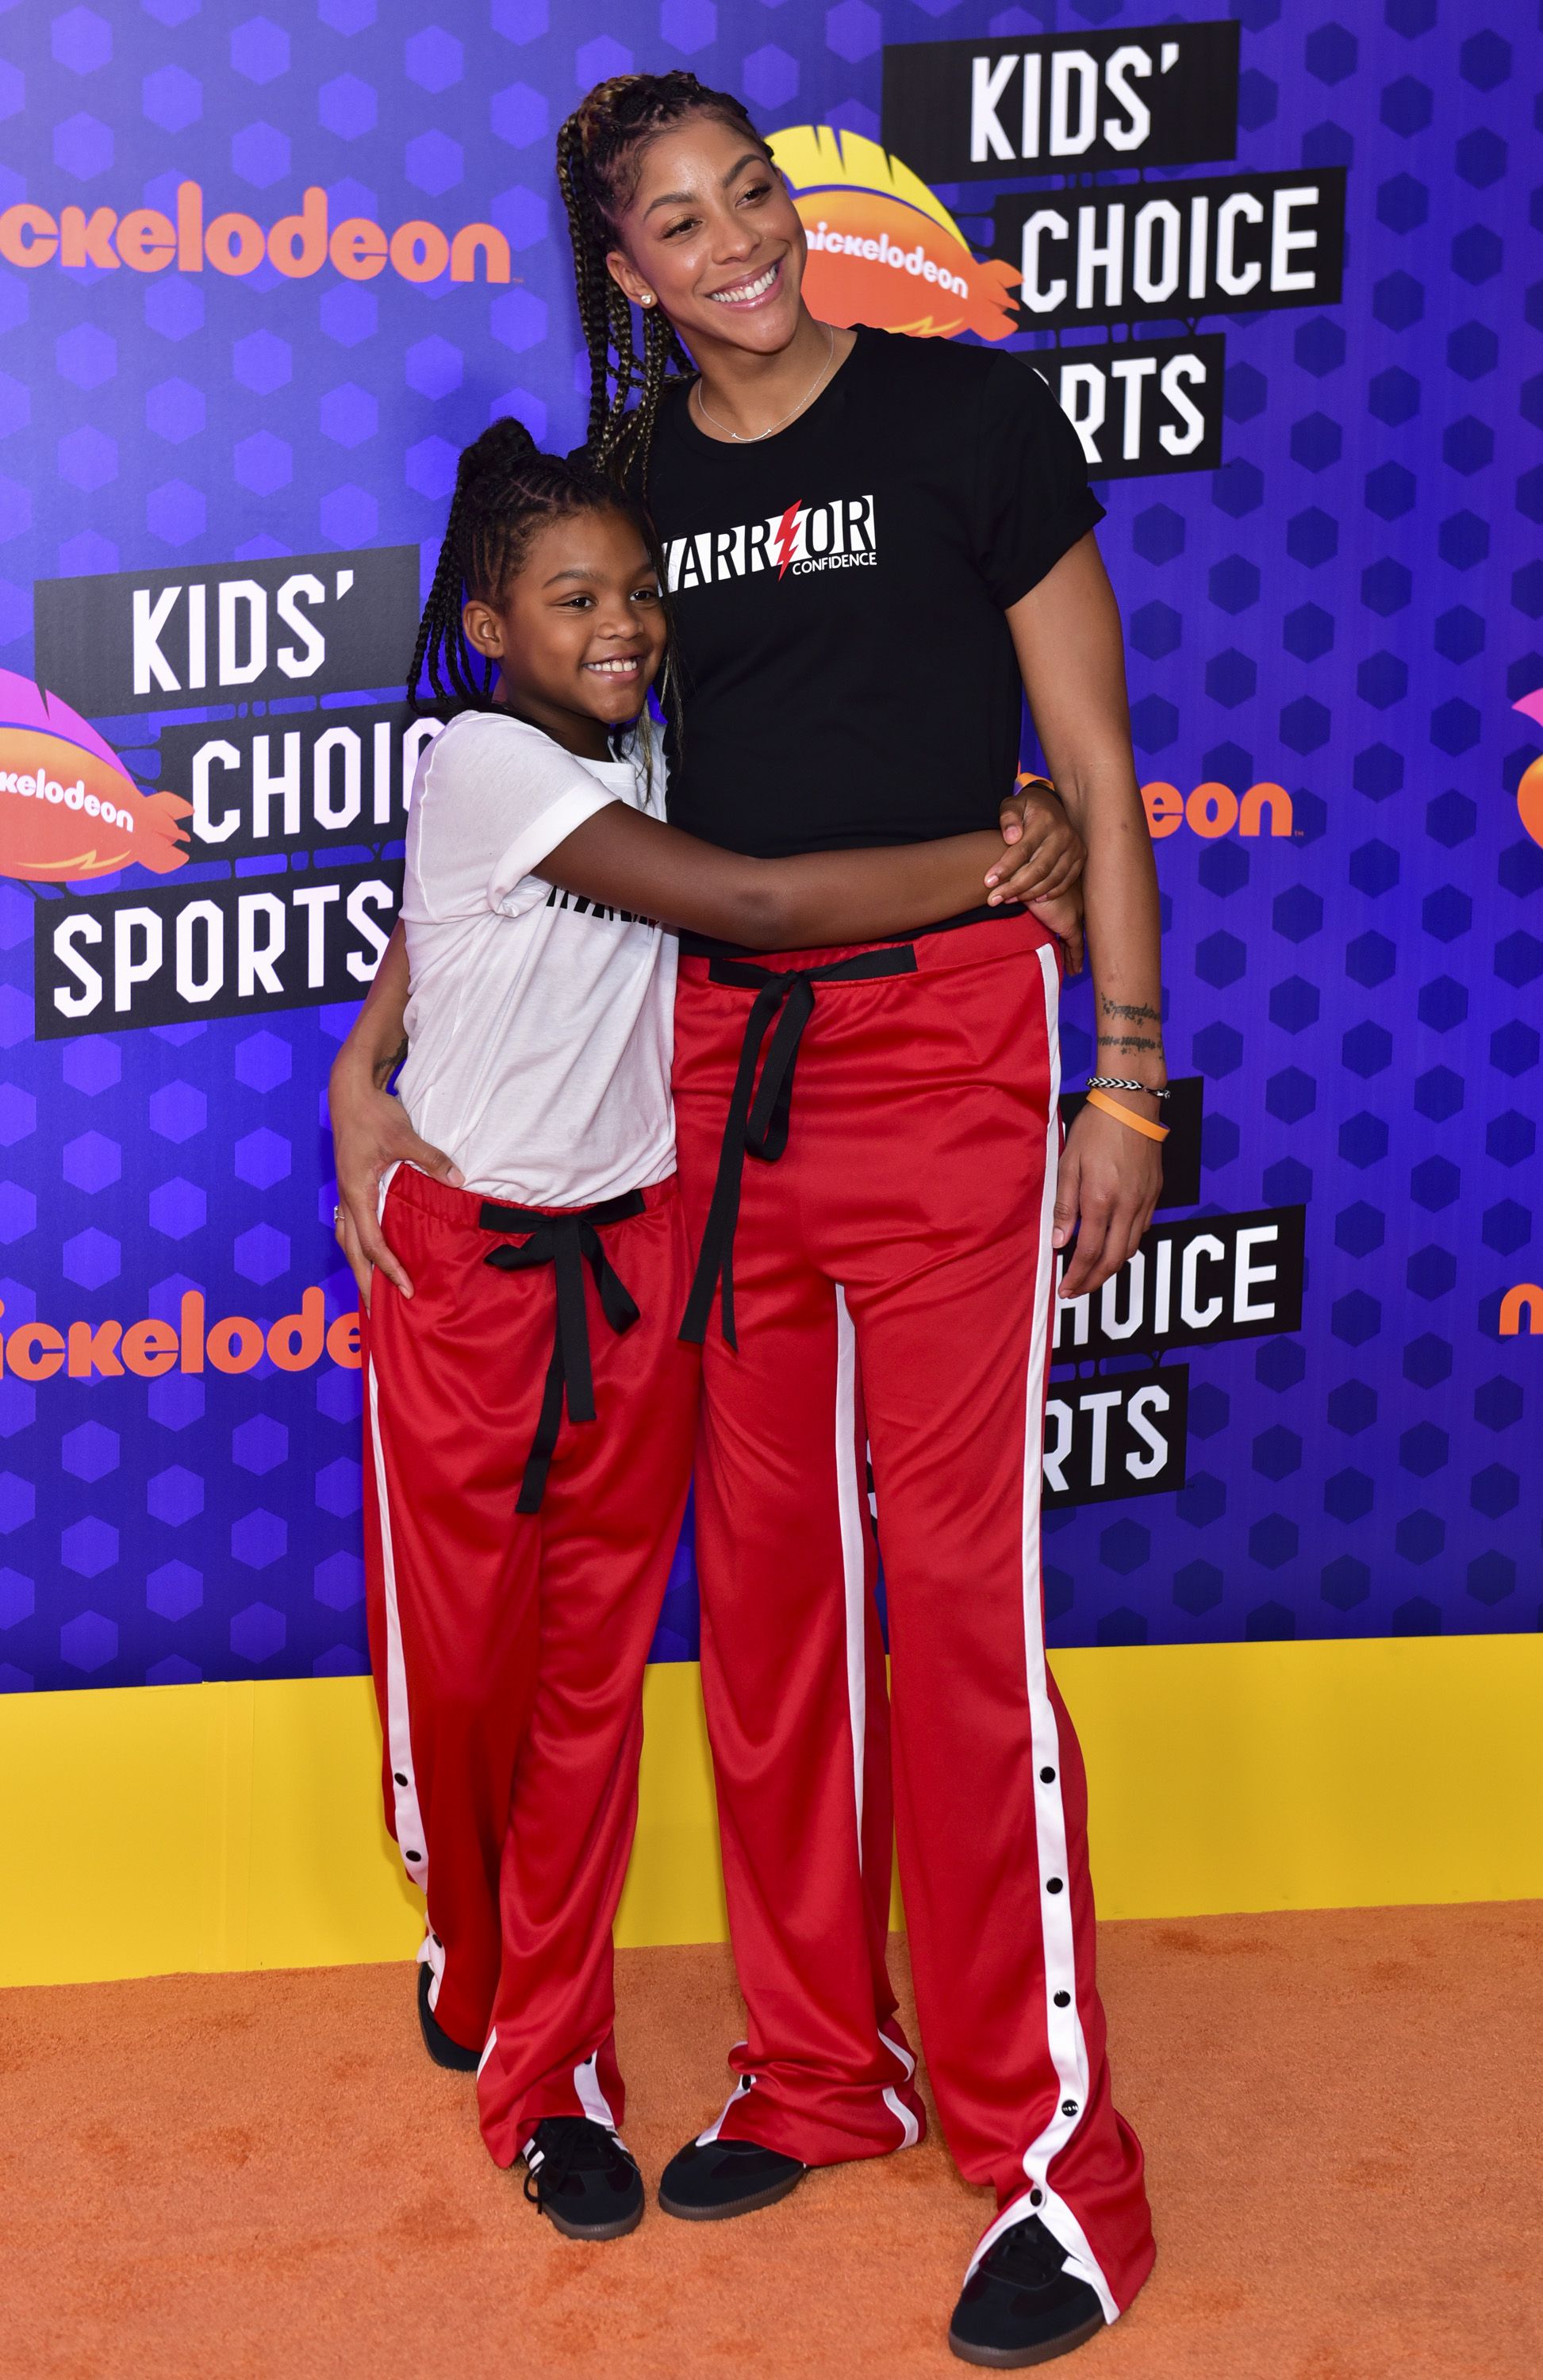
(882, 249)
(69, 807)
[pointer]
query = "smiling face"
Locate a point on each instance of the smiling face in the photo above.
(577, 632)
(712, 235)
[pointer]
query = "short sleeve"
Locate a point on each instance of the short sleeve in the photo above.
(493, 799)
(1032, 498)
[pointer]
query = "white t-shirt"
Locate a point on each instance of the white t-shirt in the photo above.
(540, 1026)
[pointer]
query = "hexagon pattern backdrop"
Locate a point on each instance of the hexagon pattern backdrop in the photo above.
(1346, 607)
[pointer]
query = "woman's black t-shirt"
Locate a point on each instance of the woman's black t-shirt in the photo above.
(847, 676)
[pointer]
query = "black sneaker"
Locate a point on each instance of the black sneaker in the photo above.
(706, 2183)
(580, 2176)
(436, 2041)
(1020, 2306)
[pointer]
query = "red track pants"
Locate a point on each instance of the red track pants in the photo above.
(508, 1648)
(893, 1274)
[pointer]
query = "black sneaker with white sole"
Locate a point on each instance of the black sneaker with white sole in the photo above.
(708, 2181)
(578, 2175)
(436, 2041)
(1020, 2306)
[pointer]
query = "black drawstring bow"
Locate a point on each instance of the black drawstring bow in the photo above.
(760, 1115)
(566, 1242)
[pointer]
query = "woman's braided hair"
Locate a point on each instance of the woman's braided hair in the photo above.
(600, 155)
(506, 490)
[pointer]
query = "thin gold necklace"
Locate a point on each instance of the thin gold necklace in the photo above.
(740, 437)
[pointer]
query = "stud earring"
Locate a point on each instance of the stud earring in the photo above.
(646, 298)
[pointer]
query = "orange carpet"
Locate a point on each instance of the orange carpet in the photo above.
(228, 2178)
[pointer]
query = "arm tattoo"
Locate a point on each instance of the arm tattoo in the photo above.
(1132, 1012)
(1128, 1041)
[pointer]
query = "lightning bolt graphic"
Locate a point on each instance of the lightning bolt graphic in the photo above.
(782, 544)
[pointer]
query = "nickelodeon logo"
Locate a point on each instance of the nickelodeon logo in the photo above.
(1526, 1298)
(298, 245)
(84, 1351)
(823, 241)
(1214, 809)
(882, 248)
(69, 807)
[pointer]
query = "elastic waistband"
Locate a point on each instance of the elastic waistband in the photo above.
(858, 967)
(431, 1197)
(976, 941)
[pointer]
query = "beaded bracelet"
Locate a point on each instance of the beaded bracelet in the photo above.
(1118, 1083)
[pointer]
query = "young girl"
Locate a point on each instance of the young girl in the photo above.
(529, 1432)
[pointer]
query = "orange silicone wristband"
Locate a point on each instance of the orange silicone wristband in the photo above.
(1106, 1106)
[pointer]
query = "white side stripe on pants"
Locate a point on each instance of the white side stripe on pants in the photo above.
(591, 2098)
(745, 2083)
(854, 1567)
(850, 1493)
(410, 1838)
(409, 1820)
(1062, 2019)
(893, 2100)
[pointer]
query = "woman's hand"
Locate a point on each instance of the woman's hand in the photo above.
(371, 1132)
(1105, 1191)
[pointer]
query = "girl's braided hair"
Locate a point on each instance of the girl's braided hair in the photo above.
(600, 156)
(506, 490)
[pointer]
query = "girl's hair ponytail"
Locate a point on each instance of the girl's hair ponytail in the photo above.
(505, 490)
(496, 492)
(600, 152)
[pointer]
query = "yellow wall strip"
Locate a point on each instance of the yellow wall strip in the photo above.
(156, 1829)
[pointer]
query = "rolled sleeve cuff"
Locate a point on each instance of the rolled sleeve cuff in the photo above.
(542, 837)
(1057, 542)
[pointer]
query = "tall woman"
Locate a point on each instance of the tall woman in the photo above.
(874, 543)
(871, 540)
